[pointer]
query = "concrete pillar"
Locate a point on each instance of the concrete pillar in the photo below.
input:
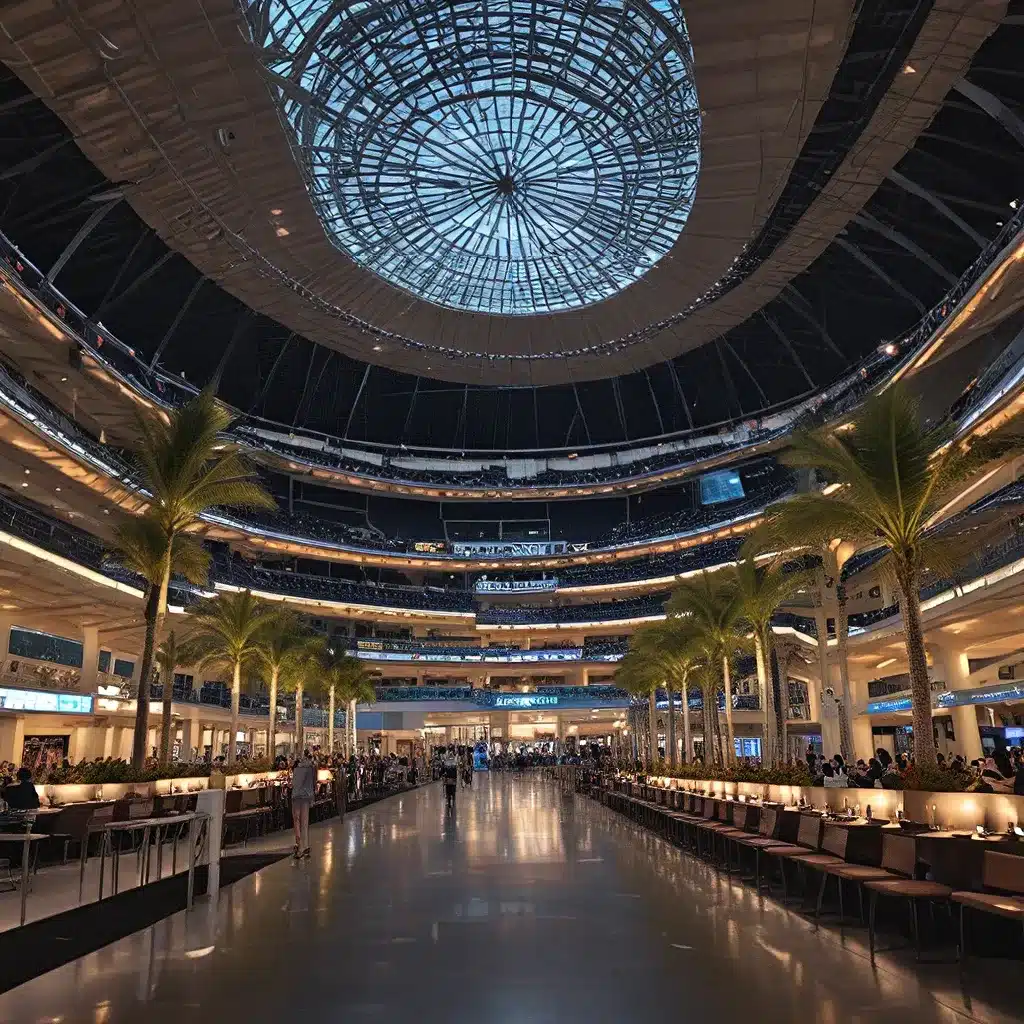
(12, 738)
(90, 659)
(951, 666)
(186, 739)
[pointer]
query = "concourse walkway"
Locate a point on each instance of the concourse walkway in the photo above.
(526, 906)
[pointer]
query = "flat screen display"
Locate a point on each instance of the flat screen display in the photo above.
(724, 485)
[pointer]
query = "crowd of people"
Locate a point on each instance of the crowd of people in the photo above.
(1001, 771)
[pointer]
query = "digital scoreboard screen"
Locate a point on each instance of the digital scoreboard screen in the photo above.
(724, 485)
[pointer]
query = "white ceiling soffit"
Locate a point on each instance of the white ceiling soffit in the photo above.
(145, 89)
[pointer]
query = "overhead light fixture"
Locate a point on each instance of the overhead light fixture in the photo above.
(276, 212)
(1013, 204)
(281, 232)
(63, 380)
(378, 348)
(27, 472)
(58, 490)
(886, 663)
(909, 69)
(890, 349)
(25, 484)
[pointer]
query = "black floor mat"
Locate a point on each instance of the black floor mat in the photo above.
(42, 946)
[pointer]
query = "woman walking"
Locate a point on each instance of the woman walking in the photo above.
(303, 792)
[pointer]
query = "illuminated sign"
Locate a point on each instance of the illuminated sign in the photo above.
(474, 656)
(514, 548)
(524, 700)
(515, 586)
(430, 547)
(43, 700)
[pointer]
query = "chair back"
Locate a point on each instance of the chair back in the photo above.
(835, 840)
(73, 821)
(140, 809)
(122, 810)
(1003, 871)
(809, 832)
(709, 808)
(769, 819)
(739, 815)
(232, 801)
(899, 854)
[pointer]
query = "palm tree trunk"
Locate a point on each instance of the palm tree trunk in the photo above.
(330, 721)
(355, 734)
(727, 684)
(671, 727)
(652, 718)
(709, 702)
(165, 723)
(236, 697)
(141, 738)
(767, 699)
(845, 712)
(687, 743)
(272, 724)
(716, 726)
(300, 726)
(920, 687)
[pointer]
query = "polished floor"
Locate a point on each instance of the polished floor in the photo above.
(526, 906)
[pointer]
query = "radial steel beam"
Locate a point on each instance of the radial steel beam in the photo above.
(176, 322)
(799, 305)
(781, 335)
(865, 220)
(994, 107)
(80, 236)
(862, 257)
(936, 203)
(355, 401)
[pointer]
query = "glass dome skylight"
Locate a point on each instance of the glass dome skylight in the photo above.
(497, 156)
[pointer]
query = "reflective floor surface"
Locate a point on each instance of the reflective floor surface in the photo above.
(526, 906)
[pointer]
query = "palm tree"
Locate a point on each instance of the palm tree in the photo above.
(760, 592)
(168, 658)
(303, 674)
(230, 630)
(185, 469)
(711, 607)
(343, 675)
(142, 546)
(638, 676)
(672, 646)
(282, 645)
(895, 474)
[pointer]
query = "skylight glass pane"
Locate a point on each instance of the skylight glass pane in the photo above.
(498, 156)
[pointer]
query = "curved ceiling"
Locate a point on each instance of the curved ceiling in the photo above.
(510, 158)
(171, 100)
(910, 221)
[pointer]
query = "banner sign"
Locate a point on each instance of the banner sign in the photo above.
(524, 700)
(509, 548)
(474, 656)
(515, 586)
(42, 700)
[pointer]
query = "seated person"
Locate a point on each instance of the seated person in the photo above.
(22, 795)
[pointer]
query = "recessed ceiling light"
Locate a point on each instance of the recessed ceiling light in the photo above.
(58, 490)
(281, 232)
(25, 484)
(1013, 204)
(378, 348)
(276, 212)
(27, 471)
(909, 69)
(63, 380)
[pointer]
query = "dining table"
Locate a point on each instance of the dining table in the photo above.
(26, 839)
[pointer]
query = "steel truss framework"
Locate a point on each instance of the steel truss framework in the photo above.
(505, 156)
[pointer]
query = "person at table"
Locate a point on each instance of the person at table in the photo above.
(21, 795)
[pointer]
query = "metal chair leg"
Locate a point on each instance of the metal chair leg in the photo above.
(872, 903)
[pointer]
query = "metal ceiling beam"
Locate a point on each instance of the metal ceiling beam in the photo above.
(654, 399)
(176, 322)
(994, 107)
(679, 390)
(865, 220)
(137, 283)
(80, 236)
(780, 334)
(799, 305)
(936, 203)
(861, 257)
(746, 369)
(355, 401)
(273, 370)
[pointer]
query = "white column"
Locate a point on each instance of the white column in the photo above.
(186, 739)
(952, 667)
(90, 658)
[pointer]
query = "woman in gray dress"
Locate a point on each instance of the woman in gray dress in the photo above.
(303, 792)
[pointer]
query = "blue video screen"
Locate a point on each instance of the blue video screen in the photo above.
(724, 485)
